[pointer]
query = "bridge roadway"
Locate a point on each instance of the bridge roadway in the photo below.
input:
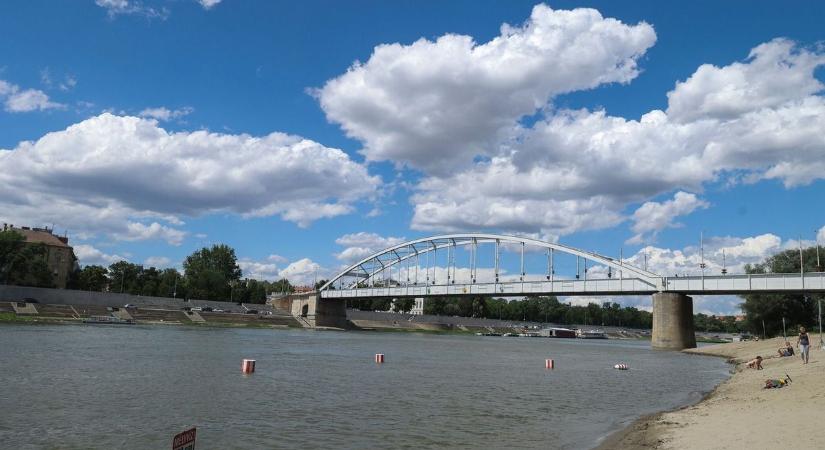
(692, 285)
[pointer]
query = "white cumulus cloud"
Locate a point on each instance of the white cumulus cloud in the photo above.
(208, 4)
(579, 170)
(653, 217)
(165, 114)
(303, 272)
(89, 255)
(436, 104)
(160, 262)
(125, 7)
(123, 176)
(362, 244)
(16, 99)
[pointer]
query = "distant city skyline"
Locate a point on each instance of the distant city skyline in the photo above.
(309, 135)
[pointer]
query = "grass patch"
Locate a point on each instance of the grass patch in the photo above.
(14, 318)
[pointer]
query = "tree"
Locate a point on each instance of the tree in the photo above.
(21, 263)
(281, 286)
(209, 272)
(798, 310)
(171, 284)
(125, 277)
(403, 304)
(92, 278)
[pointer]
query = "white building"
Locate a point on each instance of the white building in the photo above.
(417, 309)
(418, 306)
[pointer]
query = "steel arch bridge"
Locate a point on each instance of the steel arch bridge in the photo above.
(373, 276)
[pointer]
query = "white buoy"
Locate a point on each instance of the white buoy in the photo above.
(248, 366)
(379, 358)
(549, 364)
(621, 366)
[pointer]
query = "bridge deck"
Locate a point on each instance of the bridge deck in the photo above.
(707, 285)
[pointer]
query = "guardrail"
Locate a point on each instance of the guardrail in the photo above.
(707, 285)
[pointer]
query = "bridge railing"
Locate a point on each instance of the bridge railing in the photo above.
(768, 282)
(507, 288)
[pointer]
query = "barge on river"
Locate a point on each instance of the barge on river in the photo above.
(111, 320)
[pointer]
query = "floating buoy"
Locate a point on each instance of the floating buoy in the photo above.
(379, 358)
(549, 364)
(248, 366)
(621, 366)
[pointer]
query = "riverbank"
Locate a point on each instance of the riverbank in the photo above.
(739, 413)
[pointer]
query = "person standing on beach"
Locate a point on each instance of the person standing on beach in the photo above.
(803, 343)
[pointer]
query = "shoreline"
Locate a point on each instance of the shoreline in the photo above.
(737, 411)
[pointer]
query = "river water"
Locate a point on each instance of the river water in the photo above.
(79, 387)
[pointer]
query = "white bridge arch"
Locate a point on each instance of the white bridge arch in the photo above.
(629, 279)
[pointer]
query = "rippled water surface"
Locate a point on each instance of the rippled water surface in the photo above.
(135, 387)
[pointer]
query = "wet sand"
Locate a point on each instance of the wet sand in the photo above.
(739, 413)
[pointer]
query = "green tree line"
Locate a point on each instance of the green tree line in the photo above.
(764, 312)
(211, 273)
(547, 309)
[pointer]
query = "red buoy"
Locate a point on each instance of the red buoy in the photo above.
(248, 366)
(549, 364)
(379, 358)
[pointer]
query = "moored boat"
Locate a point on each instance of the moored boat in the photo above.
(109, 320)
(590, 334)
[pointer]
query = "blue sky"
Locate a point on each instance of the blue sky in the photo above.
(307, 134)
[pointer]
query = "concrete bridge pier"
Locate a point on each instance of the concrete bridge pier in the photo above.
(312, 311)
(672, 321)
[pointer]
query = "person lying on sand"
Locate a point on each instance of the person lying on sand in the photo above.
(776, 384)
(787, 351)
(755, 363)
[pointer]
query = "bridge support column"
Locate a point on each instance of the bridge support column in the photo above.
(313, 311)
(672, 321)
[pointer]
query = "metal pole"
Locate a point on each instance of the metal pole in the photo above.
(495, 255)
(552, 269)
(702, 251)
(522, 261)
(417, 263)
(577, 267)
(427, 261)
(784, 335)
(801, 264)
(724, 263)
(621, 263)
(473, 254)
(821, 342)
(449, 258)
(435, 260)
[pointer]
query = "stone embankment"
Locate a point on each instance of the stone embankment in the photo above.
(37, 312)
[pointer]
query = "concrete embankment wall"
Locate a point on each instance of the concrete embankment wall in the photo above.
(112, 299)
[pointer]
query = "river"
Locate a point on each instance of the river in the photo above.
(79, 387)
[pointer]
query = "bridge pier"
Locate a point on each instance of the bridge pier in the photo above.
(672, 321)
(312, 311)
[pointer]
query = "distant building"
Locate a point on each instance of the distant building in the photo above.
(303, 289)
(59, 254)
(417, 309)
(418, 306)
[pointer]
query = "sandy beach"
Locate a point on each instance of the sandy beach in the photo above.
(740, 413)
